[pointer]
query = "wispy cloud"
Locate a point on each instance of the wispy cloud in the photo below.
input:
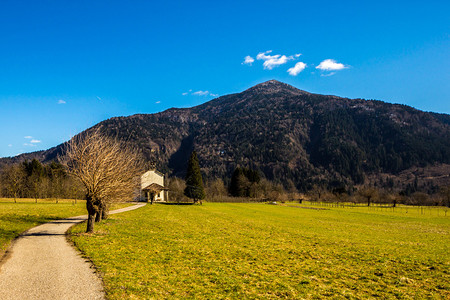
(32, 141)
(157, 102)
(330, 65)
(9, 145)
(200, 93)
(100, 99)
(186, 93)
(60, 101)
(272, 61)
(295, 70)
(327, 75)
(248, 60)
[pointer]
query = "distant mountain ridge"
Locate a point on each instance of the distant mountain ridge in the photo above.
(289, 135)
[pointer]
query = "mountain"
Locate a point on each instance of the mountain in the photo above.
(290, 136)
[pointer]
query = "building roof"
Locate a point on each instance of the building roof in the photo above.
(154, 187)
(155, 171)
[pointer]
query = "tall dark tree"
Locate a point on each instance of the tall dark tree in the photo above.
(35, 176)
(243, 182)
(194, 183)
(237, 188)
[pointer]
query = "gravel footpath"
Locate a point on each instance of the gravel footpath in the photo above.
(41, 264)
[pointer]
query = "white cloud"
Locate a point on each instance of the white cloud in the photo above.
(9, 145)
(201, 93)
(33, 141)
(297, 55)
(330, 65)
(29, 145)
(248, 60)
(186, 93)
(272, 61)
(28, 137)
(295, 70)
(157, 102)
(61, 101)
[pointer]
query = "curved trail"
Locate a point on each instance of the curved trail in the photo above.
(43, 265)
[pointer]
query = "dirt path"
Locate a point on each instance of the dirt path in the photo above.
(41, 264)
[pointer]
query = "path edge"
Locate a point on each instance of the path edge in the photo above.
(97, 271)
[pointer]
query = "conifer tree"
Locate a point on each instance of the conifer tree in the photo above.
(194, 183)
(236, 188)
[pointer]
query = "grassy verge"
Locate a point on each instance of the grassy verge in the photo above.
(266, 251)
(16, 218)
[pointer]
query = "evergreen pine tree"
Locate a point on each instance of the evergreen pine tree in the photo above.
(236, 188)
(194, 183)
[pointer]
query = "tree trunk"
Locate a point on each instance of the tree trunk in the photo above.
(105, 213)
(90, 223)
(98, 215)
(92, 211)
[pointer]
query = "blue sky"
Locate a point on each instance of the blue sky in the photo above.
(67, 65)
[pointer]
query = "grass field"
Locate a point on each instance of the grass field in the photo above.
(235, 251)
(15, 218)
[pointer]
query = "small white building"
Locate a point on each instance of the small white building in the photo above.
(153, 187)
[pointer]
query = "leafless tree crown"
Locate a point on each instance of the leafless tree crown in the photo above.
(107, 167)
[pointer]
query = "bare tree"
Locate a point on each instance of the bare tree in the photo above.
(445, 194)
(216, 189)
(369, 193)
(107, 169)
(13, 178)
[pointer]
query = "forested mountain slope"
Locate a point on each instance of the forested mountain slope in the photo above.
(289, 135)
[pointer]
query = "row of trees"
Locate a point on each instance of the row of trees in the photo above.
(369, 195)
(247, 185)
(32, 179)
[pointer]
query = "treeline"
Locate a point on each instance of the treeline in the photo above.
(32, 179)
(369, 195)
(247, 185)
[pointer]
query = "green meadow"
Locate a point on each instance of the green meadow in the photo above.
(16, 218)
(260, 251)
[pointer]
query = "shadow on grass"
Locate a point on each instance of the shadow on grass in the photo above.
(26, 218)
(67, 221)
(42, 234)
(29, 220)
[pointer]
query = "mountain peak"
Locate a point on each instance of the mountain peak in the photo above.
(275, 86)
